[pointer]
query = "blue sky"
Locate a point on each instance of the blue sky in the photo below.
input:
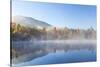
(60, 15)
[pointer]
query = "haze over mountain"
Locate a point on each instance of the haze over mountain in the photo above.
(30, 22)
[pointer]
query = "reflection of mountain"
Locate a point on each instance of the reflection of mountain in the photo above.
(31, 22)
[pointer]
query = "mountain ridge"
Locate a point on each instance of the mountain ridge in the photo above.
(29, 21)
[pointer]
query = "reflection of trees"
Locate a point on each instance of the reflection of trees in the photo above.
(31, 50)
(22, 48)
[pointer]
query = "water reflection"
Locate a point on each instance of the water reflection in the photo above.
(31, 50)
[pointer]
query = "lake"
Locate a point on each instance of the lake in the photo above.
(57, 52)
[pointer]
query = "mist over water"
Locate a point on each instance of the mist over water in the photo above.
(32, 50)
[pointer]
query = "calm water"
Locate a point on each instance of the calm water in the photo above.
(76, 52)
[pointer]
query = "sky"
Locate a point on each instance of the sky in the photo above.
(57, 14)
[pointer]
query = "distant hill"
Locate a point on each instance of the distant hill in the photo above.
(30, 22)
